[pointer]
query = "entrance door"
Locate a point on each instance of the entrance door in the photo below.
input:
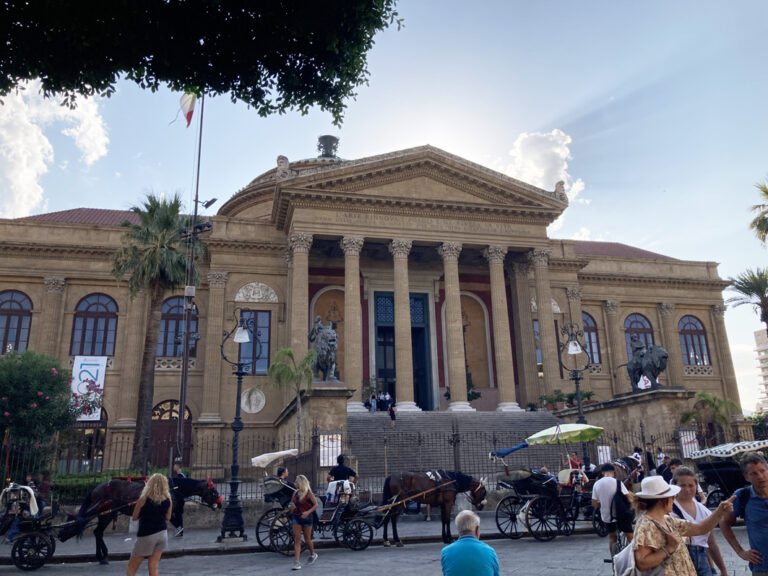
(165, 431)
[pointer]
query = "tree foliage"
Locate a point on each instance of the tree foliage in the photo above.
(154, 260)
(760, 223)
(751, 288)
(713, 415)
(285, 372)
(274, 56)
(34, 396)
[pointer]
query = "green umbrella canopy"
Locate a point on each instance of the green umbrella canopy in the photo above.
(565, 433)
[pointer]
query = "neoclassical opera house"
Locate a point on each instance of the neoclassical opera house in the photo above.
(433, 269)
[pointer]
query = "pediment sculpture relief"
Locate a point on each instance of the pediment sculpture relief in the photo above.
(256, 292)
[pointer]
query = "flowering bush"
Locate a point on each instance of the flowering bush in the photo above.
(89, 401)
(34, 396)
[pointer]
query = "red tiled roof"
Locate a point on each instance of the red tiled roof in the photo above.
(614, 249)
(92, 216)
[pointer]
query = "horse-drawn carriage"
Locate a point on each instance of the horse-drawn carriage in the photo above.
(35, 540)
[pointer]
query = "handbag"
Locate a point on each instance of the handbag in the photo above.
(624, 562)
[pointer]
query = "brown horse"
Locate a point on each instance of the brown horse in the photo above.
(118, 496)
(440, 489)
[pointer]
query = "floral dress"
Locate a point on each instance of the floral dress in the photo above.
(648, 534)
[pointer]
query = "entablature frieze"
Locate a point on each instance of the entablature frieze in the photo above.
(634, 281)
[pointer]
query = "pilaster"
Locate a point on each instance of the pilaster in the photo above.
(730, 387)
(300, 244)
(620, 383)
(539, 258)
(672, 344)
(524, 339)
(130, 365)
(52, 302)
(211, 407)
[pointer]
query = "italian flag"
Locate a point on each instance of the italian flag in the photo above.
(188, 106)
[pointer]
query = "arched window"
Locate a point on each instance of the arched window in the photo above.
(693, 342)
(15, 318)
(95, 326)
(255, 354)
(637, 324)
(590, 337)
(171, 335)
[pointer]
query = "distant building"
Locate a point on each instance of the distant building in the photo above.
(761, 348)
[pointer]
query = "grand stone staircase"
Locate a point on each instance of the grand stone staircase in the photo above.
(445, 440)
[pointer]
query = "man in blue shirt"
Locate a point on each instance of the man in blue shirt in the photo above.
(468, 556)
(755, 515)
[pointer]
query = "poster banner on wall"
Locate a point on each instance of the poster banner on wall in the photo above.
(88, 386)
(688, 442)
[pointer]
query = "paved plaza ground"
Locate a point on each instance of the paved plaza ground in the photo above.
(199, 554)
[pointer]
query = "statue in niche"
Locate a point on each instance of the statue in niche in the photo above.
(325, 343)
(646, 364)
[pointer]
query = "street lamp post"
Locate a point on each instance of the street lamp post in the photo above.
(574, 348)
(233, 513)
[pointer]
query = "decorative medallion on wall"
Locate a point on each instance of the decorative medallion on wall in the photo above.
(256, 292)
(252, 400)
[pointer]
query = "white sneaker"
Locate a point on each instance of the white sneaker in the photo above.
(296, 566)
(312, 558)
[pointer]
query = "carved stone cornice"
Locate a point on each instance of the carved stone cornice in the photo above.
(352, 245)
(56, 251)
(300, 242)
(217, 279)
(611, 306)
(244, 246)
(400, 248)
(55, 284)
(495, 254)
(539, 256)
(719, 310)
(449, 251)
(573, 293)
(625, 280)
(666, 309)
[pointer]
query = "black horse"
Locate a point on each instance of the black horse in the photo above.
(109, 499)
(441, 488)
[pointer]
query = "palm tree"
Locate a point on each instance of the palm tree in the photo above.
(760, 222)
(154, 259)
(284, 372)
(713, 414)
(751, 288)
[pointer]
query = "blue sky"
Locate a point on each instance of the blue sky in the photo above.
(654, 113)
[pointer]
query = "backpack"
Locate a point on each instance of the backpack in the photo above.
(743, 495)
(621, 510)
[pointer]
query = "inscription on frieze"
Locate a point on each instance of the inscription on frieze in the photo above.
(370, 220)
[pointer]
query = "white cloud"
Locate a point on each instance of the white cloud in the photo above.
(541, 159)
(25, 151)
(582, 234)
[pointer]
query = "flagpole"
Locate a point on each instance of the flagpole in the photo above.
(189, 295)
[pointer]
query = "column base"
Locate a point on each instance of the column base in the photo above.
(356, 406)
(407, 407)
(509, 407)
(459, 406)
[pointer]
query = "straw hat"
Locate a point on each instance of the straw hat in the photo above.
(655, 488)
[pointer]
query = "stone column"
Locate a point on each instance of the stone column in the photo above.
(457, 371)
(130, 363)
(300, 244)
(353, 322)
(403, 360)
(52, 301)
(620, 383)
(211, 407)
(502, 343)
(674, 369)
(539, 258)
(730, 387)
(525, 342)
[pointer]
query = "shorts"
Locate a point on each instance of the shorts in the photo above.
(145, 546)
(625, 526)
(299, 521)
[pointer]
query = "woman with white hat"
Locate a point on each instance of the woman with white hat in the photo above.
(659, 537)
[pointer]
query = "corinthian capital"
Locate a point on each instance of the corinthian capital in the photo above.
(300, 242)
(539, 256)
(520, 268)
(666, 309)
(611, 306)
(719, 310)
(449, 251)
(495, 254)
(54, 283)
(217, 279)
(400, 248)
(573, 293)
(351, 245)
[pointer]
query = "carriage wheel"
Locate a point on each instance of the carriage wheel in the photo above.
(506, 517)
(541, 518)
(30, 551)
(358, 534)
(281, 534)
(599, 526)
(566, 520)
(263, 526)
(714, 498)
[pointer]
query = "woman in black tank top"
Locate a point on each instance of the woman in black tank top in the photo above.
(152, 510)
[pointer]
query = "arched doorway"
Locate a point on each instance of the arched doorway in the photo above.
(165, 430)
